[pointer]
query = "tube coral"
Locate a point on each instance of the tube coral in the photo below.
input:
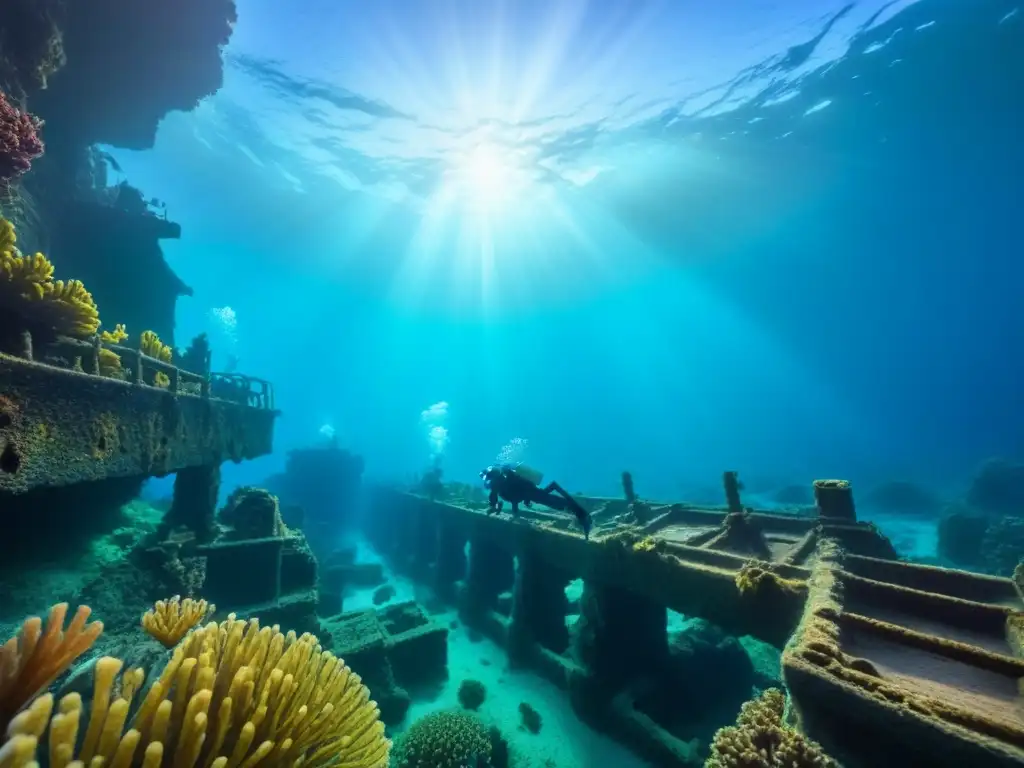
(27, 288)
(34, 658)
(151, 345)
(232, 694)
(19, 141)
(170, 620)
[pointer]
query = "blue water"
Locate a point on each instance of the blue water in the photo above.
(670, 237)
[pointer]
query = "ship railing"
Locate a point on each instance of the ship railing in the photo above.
(142, 370)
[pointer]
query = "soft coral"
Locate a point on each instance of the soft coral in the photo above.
(19, 141)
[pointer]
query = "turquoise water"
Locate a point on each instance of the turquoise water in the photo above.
(655, 236)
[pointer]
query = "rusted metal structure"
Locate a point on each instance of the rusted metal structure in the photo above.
(62, 423)
(887, 662)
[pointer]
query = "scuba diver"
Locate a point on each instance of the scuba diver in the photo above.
(519, 485)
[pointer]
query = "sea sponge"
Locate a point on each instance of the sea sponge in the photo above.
(760, 739)
(232, 694)
(34, 658)
(69, 308)
(110, 364)
(110, 361)
(472, 694)
(170, 620)
(448, 739)
(27, 288)
(115, 336)
(151, 345)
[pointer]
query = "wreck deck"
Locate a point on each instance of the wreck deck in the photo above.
(925, 660)
(60, 426)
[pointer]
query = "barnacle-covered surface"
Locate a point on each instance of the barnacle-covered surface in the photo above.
(59, 427)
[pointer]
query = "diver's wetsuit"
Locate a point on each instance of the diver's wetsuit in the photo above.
(505, 483)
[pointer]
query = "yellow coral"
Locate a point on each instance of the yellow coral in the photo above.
(115, 336)
(161, 380)
(25, 276)
(110, 364)
(646, 544)
(232, 694)
(760, 739)
(70, 308)
(151, 345)
(8, 238)
(33, 659)
(26, 286)
(170, 620)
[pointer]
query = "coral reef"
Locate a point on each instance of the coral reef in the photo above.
(232, 690)
(472, 694)
(20, 143)
(760, 739)
(449, 739)
(35, 658)
(168, 621)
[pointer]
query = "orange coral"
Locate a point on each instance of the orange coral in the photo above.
(33, 659)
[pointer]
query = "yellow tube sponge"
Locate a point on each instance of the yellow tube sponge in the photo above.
(232, 695)
(151, 345)
(27, 287)
(23, 278)
(70, 309)
(115, 336)
(34, 658)
(170, 620)
(8, 238)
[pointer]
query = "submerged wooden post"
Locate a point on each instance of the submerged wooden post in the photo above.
(175, 380)
(834, 499)
(138, 366)
(731, 482)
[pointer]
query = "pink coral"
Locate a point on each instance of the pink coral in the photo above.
(19, 141)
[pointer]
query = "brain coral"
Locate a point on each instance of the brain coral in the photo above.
(449, 739)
